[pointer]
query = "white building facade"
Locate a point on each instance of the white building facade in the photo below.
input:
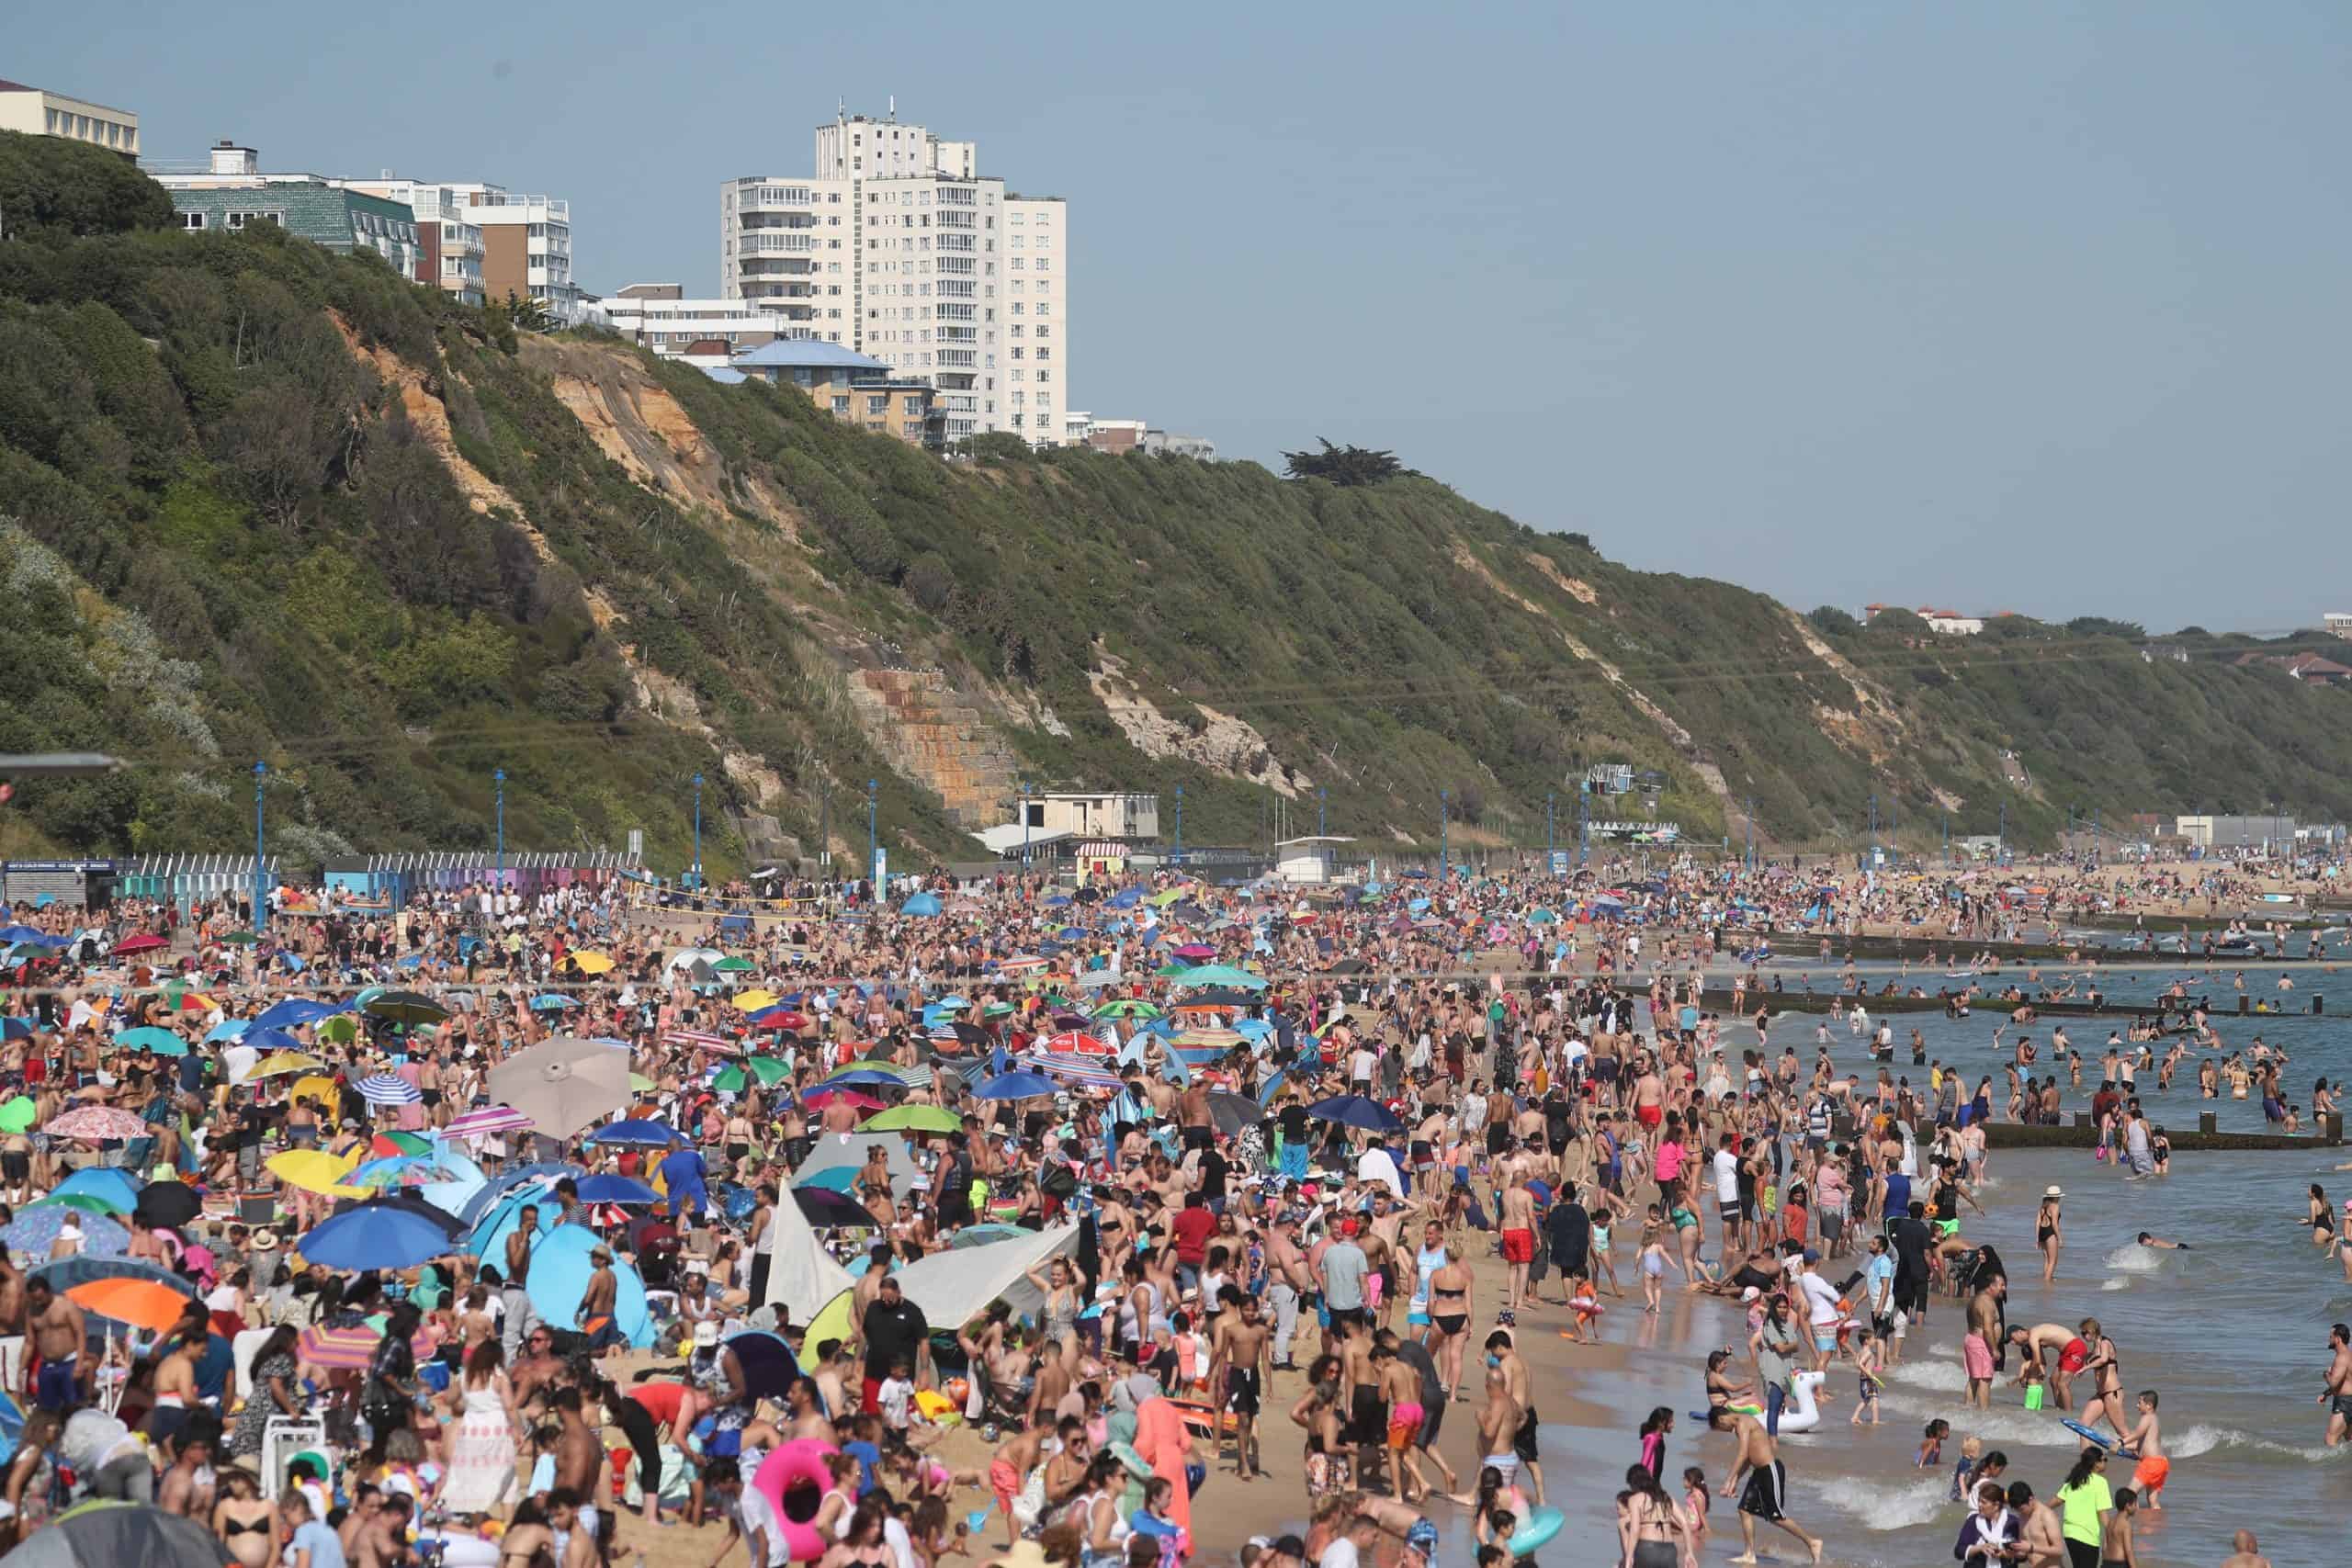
(38, 112)
(897, 247)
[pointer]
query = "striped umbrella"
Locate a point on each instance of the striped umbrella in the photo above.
(1092, 1071)
(701, 1041)
(352, 1347)
(388, 1088)
(488, 1120)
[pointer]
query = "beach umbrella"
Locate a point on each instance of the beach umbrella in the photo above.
(80, 1203)
(376, 1235)
(228, 1029)
(16, 1115)
(350, 1349)
(392, 1146)
(102, 1532)
(755, 1001)
(828, 1210)
(920, 904)
(733, 963)
(167, 1204)
(141, 1303)
(1014, 1085)
(489, 1119)
(95, 1124)
(608, 1189)
(1356, 1110)
(405, 1007)
(833, 1177)
(38, 1225)
(638, 1132)
(290, 1062)
(340, 1030)
(291, 1014)
(770, 1369)
(313, 1170)
(862, 1078)
(117, 1187)
(588, 963)
(389, 1088)
(149, 1037)
(143, 942)
(397, 1170)
(562, 1085)
(553, 1003)
(915, 1119)
(769, 1070)
(1127, 1007)
(408, 1201)
(1231, 1112)
(986, 1235)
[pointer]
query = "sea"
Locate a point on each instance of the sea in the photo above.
(2231, 1332)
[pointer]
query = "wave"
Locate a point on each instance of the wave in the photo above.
(1946, 1377)
(2115, 1282)
(2201, 1439)
(2133, 1259)
(1998, 1427)
(1882, 1505)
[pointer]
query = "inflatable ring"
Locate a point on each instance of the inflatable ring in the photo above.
(792, 1479)
(1541, 1526)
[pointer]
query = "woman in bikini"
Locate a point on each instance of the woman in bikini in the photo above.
(247, 1525)
(1650, 1528)
(1450, 1319)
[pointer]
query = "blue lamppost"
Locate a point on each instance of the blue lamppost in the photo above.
(1444, 823)
(498, 777)
(261, 873)
(1024, 826)
(874, 832)
(1179, 855)
(1549, 797)
(698, 832)
(1321, 797)
(1584, 824)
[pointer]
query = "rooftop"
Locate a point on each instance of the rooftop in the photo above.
(808, 353)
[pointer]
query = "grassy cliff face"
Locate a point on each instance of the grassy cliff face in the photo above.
(261, 503)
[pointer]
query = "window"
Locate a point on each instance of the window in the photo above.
(190, 220)
(878, 403)
(841, 405)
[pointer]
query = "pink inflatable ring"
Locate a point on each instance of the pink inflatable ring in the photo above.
(793, 1480)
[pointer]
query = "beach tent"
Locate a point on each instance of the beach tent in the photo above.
(466, 1177)
(802, 1276)
(834, 1150)
(560, 1270)
(955, 1286)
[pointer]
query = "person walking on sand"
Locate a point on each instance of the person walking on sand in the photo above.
(1764, 1494)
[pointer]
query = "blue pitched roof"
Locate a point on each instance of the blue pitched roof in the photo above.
(808, 353)
(724, 375)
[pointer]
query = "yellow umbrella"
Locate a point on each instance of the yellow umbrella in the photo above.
(314, 1170)
(317, 1087)
(288, 1062)
(591, 963)
(754, 1000)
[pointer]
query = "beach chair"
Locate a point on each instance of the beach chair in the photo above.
(283, 1438)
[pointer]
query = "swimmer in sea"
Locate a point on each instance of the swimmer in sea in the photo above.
(2147, 1238)
(2336, 1391)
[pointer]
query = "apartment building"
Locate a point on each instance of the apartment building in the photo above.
(896, 246)
(448, 241)
(659, 316)
(231, 191)
(526, 245)
(38, 112)
(853, 388)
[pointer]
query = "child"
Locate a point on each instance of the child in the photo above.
(1964, 1473)
(1579, 1288)
(1931, 1444)
(1694, 1510)
(1653, 1261)
(2115, 1538)
(1866, 1368)
(898, 1396)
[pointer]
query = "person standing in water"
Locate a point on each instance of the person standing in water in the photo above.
(2336, 1391)
(1766, 1493)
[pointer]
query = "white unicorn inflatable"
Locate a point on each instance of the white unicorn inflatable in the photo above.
(1803, 1414)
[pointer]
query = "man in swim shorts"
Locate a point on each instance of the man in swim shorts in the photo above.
(1765, 1494)
(1977, 1347)
(1517, 1220)
(2336, 1391)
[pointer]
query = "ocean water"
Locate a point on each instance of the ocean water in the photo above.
(2232, 1333)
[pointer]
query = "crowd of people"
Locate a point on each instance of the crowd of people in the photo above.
(1314, 1157)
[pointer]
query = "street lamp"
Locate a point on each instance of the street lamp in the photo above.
(1179, 855)
(498, 777)
(1025, 826)
(698, 832)
(1321, 796)
(874, 833)
(261, 874)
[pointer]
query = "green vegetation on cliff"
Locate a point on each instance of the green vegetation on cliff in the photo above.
(260, 501)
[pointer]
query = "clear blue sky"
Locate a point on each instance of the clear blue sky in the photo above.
(2034, 306)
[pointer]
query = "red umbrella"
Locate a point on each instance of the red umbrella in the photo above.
(143, 942)
(782, 1021)
(1074, 1041)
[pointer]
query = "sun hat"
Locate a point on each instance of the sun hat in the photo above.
(2054, 1190)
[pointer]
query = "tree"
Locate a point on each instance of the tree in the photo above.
(47, 182)
(1345, 465)
(1831, 621)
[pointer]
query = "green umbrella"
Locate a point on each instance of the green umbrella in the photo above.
(734, 966)
(769, 1070)
(729, 1078)
(87, 1202)
(915, 1119)
(16, 1116)
(241, 939)
(342, 1028)
(1127, 1007)
(162, 1041)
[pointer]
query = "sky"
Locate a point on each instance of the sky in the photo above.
(2020, 306)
